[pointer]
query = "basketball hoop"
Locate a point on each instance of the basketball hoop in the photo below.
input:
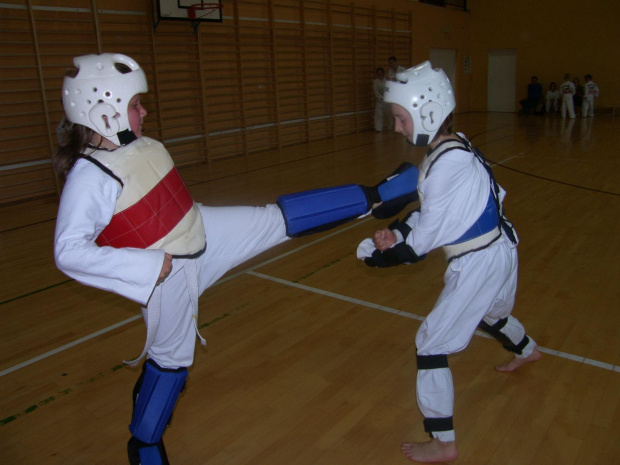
(202, 9)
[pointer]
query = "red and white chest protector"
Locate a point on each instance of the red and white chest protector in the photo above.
(155, 209)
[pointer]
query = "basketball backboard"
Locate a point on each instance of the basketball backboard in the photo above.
(190, 10)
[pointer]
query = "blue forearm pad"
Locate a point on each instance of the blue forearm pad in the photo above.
(402, 182)
(320, 209)
(155, 402)
(397, 190)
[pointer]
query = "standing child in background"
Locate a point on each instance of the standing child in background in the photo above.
(578, 97)
(394, 68)
(567, 89)
(591, 92)
(128, 224)
(460, 211)
(381, 112)
(552, 98)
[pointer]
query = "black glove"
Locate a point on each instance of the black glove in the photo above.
(401, 253)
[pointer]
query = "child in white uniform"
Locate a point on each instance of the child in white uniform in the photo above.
(591, 92)
(105, 135)
(552, 98)
(394, 68)
(127, 224)
(461, 212)
(567, 89)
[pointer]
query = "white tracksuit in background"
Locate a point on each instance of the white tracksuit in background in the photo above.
(591, 92)
(567, 89)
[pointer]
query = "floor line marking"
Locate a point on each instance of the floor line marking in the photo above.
(557, 353)
(598, 364)
(68, 346)
(138, 316)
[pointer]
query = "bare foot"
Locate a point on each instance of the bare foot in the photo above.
(430, 451)
(516, 362)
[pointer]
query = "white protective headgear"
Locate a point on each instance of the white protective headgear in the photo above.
(100, 89)
(427, 95)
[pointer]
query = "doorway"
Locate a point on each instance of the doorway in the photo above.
(501, 81)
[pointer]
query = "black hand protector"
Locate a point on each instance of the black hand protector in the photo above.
(400, 254)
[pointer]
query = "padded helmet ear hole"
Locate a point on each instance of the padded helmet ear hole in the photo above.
(102, 116)
(431, 115)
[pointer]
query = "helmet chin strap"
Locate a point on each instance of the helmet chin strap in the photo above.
(126, 137)
(421, 140)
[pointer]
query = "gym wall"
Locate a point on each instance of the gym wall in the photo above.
(274, 73)
(550, 38)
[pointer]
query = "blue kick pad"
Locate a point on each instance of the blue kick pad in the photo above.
(156, 400)
(320, 209)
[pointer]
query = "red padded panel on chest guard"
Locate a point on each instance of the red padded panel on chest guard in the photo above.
(151, 218)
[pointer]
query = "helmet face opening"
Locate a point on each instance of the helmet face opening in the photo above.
(427, 95)
(97, 94)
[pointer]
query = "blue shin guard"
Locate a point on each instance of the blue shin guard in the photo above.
(155, 395)
(320, 209)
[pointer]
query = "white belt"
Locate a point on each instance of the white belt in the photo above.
(477, 243)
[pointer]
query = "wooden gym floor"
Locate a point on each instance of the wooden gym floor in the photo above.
(310, 356)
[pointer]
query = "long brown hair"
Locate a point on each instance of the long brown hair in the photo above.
(73, 140)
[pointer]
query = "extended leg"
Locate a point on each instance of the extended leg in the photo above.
(317, 210)
(155, 396)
